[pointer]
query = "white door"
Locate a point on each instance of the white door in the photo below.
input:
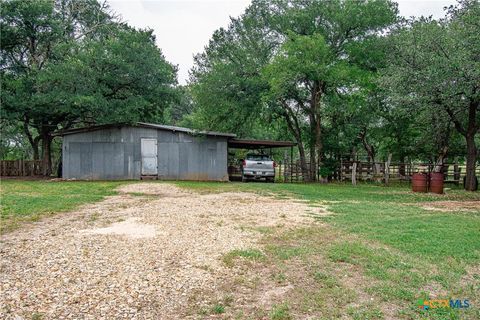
(149, 156)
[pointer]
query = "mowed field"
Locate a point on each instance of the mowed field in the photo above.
(270, 251)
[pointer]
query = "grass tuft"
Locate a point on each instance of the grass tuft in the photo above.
(218, 309)
(249, 254)
(280, 312)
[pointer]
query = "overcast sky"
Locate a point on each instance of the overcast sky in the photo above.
(184, 27)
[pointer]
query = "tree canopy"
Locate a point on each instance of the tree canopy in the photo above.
(435, 69)
(342, 78)
(67, 63)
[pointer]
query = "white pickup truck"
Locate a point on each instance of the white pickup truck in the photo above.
(258, 166)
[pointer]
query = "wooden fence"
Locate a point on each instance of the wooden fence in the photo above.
(367, 171)
(378, 171)
(292, 172)
(287, 171)
(21, 168)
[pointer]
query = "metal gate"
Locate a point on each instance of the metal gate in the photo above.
(149, 156)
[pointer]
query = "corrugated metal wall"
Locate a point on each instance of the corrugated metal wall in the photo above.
(115, 154)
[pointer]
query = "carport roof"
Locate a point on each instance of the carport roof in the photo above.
(258, 144)
(146, 125)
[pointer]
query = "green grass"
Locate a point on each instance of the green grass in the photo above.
(24, 201)
(399, 251)
(248, 254)
(390, 215)
(280, 312)
(380, 238)
(218, 309)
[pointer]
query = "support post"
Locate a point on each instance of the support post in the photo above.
(279, 170)
(354, 173)
(291, 164)
(340, 174)
(387, 168)
(456, 172)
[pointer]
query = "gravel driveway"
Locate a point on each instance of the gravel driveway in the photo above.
(145, 253)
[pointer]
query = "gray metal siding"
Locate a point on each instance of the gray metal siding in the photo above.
(184, 157)
(115, 154)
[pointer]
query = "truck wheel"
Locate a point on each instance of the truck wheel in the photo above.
(271, 180)
(244, 179)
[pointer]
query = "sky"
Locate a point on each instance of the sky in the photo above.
(184, 27)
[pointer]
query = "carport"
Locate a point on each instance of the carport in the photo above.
(248, 144)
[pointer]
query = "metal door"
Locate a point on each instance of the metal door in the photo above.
(149, 156)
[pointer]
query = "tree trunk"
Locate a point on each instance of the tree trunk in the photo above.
(294, 127)
(472, 129)
(470, 180)
(313, 148)
(34, 142)
(303, 160)
(316, 128)
(318, 142)
(47, 154)
(440, 160)
(368, 148)
(35, 148)
(401, 167)
(469, 134)
(311, 170)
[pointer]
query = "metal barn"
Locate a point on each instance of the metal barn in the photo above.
(144, 150)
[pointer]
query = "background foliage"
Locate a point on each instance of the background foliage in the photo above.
(342, 78)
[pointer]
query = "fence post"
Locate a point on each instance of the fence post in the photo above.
(291, 164)
(387, 168)
(341, 169)
(456, 172)
(354, 173)
(279, 170)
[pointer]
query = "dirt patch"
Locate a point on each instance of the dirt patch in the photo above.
(135, 257)
(275, 294)
(472, 277)
(129, 228)
(451, 206)
(435, 291)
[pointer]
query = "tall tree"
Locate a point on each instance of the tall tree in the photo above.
(320, 57)
(302, 49)
(436, 65)
(68, 62)
(226, 81)
(298, 78)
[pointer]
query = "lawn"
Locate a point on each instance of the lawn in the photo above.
(398, 251)
(24, 201)
(378, 253)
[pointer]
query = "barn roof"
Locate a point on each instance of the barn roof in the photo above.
(146, 125)
(232, 142)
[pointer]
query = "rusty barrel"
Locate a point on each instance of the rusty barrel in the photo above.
(419, 182)
(436, 182)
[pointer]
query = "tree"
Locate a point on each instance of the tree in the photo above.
(298, 78)
(226, 81)
(436, 65)
(177, 113)
(290, 55)
(68, 62)
(13, 144)
(320, 59)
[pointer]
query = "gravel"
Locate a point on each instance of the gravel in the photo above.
(134, 257)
